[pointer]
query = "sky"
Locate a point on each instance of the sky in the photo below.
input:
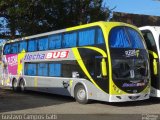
(146, 7)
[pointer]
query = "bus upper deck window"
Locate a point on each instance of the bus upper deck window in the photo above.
(135, 38)
(86, 37)
(32, 45)
(100, 38)
(55, 41)
(23, 46)
(125, 37)
(7, 49)
(43, 43)
(119, 38)
(69, 40)
(14, 48)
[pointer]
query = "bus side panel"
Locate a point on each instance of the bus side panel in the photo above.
(64, 86)
(48, 84)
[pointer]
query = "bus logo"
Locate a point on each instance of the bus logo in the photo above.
(131, 53)
(57, 54)
(49, 55)
(12, 60)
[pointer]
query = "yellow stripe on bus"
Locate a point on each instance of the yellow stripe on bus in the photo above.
(98, 50)
(153, 54)
(35, 82)
(20, 62)
(85, 26)
(81, 63)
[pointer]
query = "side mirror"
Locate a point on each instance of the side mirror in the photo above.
(155, 67)
(104, 67)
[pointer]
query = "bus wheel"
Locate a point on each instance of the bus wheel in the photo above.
(22, 86)
(15, 85)
(80, 94)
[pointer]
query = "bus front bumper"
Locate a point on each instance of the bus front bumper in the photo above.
(128, 97)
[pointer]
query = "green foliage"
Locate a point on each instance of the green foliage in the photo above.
(36, 16)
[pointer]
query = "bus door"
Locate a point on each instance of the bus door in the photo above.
(100, 67)
(101, 72)
(153, 55)
(97, 68)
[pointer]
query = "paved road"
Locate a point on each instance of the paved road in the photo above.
(42, 103)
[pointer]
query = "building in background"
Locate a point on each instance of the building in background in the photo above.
(136, 19)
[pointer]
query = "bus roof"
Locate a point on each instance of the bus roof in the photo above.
(100, 23)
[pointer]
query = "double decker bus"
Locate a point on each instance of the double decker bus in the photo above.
(105, 61)
(152, 37)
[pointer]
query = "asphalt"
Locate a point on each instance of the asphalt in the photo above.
(61, 107)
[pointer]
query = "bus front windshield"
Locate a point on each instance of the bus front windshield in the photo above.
(125, 37)
(128, 54)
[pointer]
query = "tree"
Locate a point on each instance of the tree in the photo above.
(36, 16)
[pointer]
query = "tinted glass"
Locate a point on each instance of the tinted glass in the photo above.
(43, 43)
(87, 37)
(125, 37)
(118, 38)
(42, 69)
(54, 69)
(7, 49)
(135, 38)
(55, 41)
(32, 45)
(150, 41)
(30, 69)
(70, 40)
(14, 48)
(22, 46)
(100, 38)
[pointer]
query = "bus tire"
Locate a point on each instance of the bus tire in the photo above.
(15, 85)
(21, 85)
(80, 94)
